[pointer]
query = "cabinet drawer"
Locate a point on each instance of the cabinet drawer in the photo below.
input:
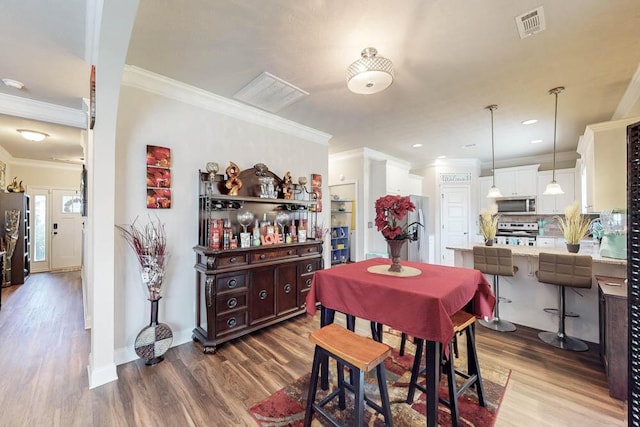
(309, 250)
(231, 260)
(227, 282)
(231, 322)
(230, 302)
(273, 254)
(309, 266)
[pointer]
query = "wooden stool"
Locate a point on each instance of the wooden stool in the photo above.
(498, 262)
(564, 270)
(361, 355)
(462, 321)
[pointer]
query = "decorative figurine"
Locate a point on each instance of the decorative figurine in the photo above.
(233, 183)
(14, 186)
(286, 186)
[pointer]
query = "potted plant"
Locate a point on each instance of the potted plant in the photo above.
(489, 224)
(574, 226)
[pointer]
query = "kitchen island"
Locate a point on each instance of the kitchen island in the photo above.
(530, 297)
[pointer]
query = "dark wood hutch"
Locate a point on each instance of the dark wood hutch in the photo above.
(241, 290)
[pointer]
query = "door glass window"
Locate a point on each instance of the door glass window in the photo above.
(40, 229)
(71, 204)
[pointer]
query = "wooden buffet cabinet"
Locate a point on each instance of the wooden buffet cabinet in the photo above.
(242, 290)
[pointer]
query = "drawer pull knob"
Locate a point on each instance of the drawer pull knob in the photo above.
(308, 283)
(290, 252)
(232, 260)
(263, 256)
(287, 288)
(231, 322)
(232, 302)
(232, 283)
(309, 249)
(262, 294)
(309, 268)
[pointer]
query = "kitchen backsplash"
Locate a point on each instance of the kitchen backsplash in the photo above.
(551, 228)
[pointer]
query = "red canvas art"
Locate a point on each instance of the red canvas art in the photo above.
(158, 177)
(316, 190)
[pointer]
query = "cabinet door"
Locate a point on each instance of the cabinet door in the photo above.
(262, 300)
(506, 182)
(566, 179)
(545, 204)
(286, 289)
(526, 182)
(484, 184)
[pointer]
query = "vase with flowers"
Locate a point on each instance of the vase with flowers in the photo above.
(390, 213)
(149, 244)
(489, 224)
(574, 226)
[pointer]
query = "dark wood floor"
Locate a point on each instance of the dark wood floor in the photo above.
(44, 352)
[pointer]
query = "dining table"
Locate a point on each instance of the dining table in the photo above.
(419, 304)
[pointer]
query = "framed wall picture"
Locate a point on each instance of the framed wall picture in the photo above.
(92, 97)
(158, 177)
(316, 190)
(3, 176)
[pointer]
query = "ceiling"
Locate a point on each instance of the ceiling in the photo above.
(451, 59)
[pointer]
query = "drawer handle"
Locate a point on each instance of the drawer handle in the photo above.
(232, 283)
(287, 288)
(308, 283)
(232, 260)
(232, 302)
(263, 256)
(309, 268)
(231, 322)
(290, 252)
(309, 249)
(262, 294)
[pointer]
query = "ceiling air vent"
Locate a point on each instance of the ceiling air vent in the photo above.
(269, 93)
(531, 22)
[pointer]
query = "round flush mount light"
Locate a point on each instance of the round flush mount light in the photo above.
(468, 146)
(529, 122)
(441, 157)
(32, 135)
(369, 74)
(417, 145)
(13, 83)
(536, 141)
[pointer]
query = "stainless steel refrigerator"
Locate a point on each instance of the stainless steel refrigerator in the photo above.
(418, 249)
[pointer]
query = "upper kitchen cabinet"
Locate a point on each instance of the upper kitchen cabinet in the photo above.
(517, 181)
(484, 184)
(603, 170)
(556, 204)
(388, 177)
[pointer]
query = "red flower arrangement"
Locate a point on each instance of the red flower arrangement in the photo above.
(390, 210)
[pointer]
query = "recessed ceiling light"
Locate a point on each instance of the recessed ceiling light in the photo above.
(530, 122)
(417, 145)
(442, 157)
(13, 83)
(32, 135)
(536, 141)
(468, 146)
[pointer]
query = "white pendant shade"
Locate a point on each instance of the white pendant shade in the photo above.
(553, 189)
(494, 192)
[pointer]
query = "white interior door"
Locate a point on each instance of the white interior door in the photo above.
(40, 224)
(455, 220)
(66, 229)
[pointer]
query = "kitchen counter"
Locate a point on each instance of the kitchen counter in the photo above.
(529, 297)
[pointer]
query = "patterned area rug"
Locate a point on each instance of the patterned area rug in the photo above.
(286, 407)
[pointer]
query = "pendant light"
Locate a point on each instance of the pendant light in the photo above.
(553, 188)
(493, 191)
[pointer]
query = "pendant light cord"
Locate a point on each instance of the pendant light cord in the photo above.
(555, 91)
(493, 155)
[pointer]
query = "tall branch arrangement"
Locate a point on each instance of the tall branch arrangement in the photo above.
(574, 225)
(489, 222)
(149, 244)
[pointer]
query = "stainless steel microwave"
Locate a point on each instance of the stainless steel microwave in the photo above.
(515, 205)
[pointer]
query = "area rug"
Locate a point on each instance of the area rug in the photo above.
(286, 406)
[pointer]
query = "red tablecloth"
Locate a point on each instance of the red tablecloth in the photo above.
(420, 306)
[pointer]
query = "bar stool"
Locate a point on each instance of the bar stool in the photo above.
(462, 321)
(358, 353)
(498, 262)
(564, 270)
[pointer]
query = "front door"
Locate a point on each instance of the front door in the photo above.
(66, 229)
(455, 220)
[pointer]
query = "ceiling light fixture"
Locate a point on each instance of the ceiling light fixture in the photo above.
(13, 83)
(529, 122)
(553, 188)
(536, 141)
(493, 191)
(370, 74)
(32, 135)
(417, 145)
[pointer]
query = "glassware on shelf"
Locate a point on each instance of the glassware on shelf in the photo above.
(267, 188)
(245, 218)
(281, 219)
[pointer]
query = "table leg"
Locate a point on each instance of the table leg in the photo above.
(327, 316)
(433, 349)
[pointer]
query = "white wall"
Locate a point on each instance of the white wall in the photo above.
(195, 135)
(46, 174)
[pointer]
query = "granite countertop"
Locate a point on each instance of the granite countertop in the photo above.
(533, 251)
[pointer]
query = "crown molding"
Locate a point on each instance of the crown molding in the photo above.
(630, 97)
(462, 163)
(148, 81)
(610, 125)
(43, 111)
(46, 164)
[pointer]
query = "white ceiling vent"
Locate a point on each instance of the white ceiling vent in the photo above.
(531, 22)
(269, 93)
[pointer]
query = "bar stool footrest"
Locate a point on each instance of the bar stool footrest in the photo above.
(555, 311)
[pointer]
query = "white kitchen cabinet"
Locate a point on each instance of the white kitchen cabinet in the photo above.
(556, 204)
(546, 242)
(484, 184)
(390, 178)
(517, 181)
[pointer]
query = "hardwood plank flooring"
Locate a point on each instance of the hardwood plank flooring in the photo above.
(44, 352)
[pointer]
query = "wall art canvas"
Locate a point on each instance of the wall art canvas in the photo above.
(158, 177)
(3, 174)
(316, 190)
